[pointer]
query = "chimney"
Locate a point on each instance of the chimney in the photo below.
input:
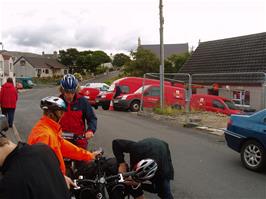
(139, 42)
(55, 55)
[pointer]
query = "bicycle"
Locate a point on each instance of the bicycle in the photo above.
(102, 186)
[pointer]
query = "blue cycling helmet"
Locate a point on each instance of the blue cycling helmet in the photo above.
(69, 83)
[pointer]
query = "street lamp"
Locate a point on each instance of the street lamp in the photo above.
(161, 55)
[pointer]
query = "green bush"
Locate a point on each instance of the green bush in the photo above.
(167, 111)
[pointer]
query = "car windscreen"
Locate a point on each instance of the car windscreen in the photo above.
(141, 89)
(112, 88)
(230, 104)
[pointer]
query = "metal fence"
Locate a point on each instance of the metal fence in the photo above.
(247, 90)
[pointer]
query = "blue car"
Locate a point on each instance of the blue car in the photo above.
(246, 134)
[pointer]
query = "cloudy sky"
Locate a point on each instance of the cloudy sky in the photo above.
(115, 25)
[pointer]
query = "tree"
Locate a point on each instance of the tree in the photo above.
(175, 62)
(98, 58)
(68, 57)
(144, 61)
(120, 59)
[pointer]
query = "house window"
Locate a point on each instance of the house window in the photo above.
(22, 63)
(241, 97)
(46, 71)
(1, 65)
(39, 71)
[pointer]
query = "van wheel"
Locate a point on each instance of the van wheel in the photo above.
(253, 155)
(135, 106)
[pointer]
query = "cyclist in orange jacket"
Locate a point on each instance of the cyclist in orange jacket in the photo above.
(48, 131)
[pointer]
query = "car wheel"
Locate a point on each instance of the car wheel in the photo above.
(96, 107)
(105, 107)
(253, 155)
(135, 106)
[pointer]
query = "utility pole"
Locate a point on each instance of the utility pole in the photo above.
(161, 56)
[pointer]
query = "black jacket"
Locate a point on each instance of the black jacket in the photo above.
(148, 148)
(32, 172)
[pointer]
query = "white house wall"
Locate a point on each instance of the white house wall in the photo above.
(24, 71)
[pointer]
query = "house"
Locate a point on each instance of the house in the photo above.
(39, 67)
(233, 67)
(6, 68)
(169, 49)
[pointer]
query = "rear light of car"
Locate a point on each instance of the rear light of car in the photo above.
(229, 123)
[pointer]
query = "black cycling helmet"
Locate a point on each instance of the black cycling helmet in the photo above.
(69, 83)
(145, 169)
(53, 104)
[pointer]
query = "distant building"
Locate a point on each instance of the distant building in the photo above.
(169, 49)
(39, 67)
(6, 68)
(218, 62)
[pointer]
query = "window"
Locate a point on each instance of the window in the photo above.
(10, 66)
(217, 104)
(1, 65)
(46, 71)
(241, 97)
(124, 89)
(22, 62)
(153, 91)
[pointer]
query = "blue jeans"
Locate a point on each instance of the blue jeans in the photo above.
(9, 113)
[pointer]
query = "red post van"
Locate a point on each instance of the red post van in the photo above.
(90, 94)
(173, 96)
(213, 103)
(128, 85)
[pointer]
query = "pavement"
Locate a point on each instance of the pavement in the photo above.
(13, 135)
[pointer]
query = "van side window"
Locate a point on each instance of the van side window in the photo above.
(124, 89)
(264, 121)
(154, 91)
(217, 104)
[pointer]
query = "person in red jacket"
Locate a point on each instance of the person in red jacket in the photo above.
(8, 100)
(79, 118)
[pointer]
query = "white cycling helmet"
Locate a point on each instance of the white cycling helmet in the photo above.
(53, 104)
(145, 169)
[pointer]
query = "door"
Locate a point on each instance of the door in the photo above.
(151, 97)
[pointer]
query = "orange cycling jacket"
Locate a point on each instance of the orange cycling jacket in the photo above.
(49, 132)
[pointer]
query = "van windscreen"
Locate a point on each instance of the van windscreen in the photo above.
(230, 104)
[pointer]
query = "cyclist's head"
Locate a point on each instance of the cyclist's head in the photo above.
(145, 169)
(69, 83)
(53, 107)
(69, 86)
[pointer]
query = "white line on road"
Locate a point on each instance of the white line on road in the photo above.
(16, 133)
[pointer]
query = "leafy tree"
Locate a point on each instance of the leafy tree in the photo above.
(120, 59)
(98, 58)
(68, 57)
(144, 61)
(175, 62)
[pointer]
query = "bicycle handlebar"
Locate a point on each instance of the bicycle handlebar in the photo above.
(120, 178)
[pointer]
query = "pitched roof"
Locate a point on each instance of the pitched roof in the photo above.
(232, 55)
(6, 57)
(169, 49)
(40, 62)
